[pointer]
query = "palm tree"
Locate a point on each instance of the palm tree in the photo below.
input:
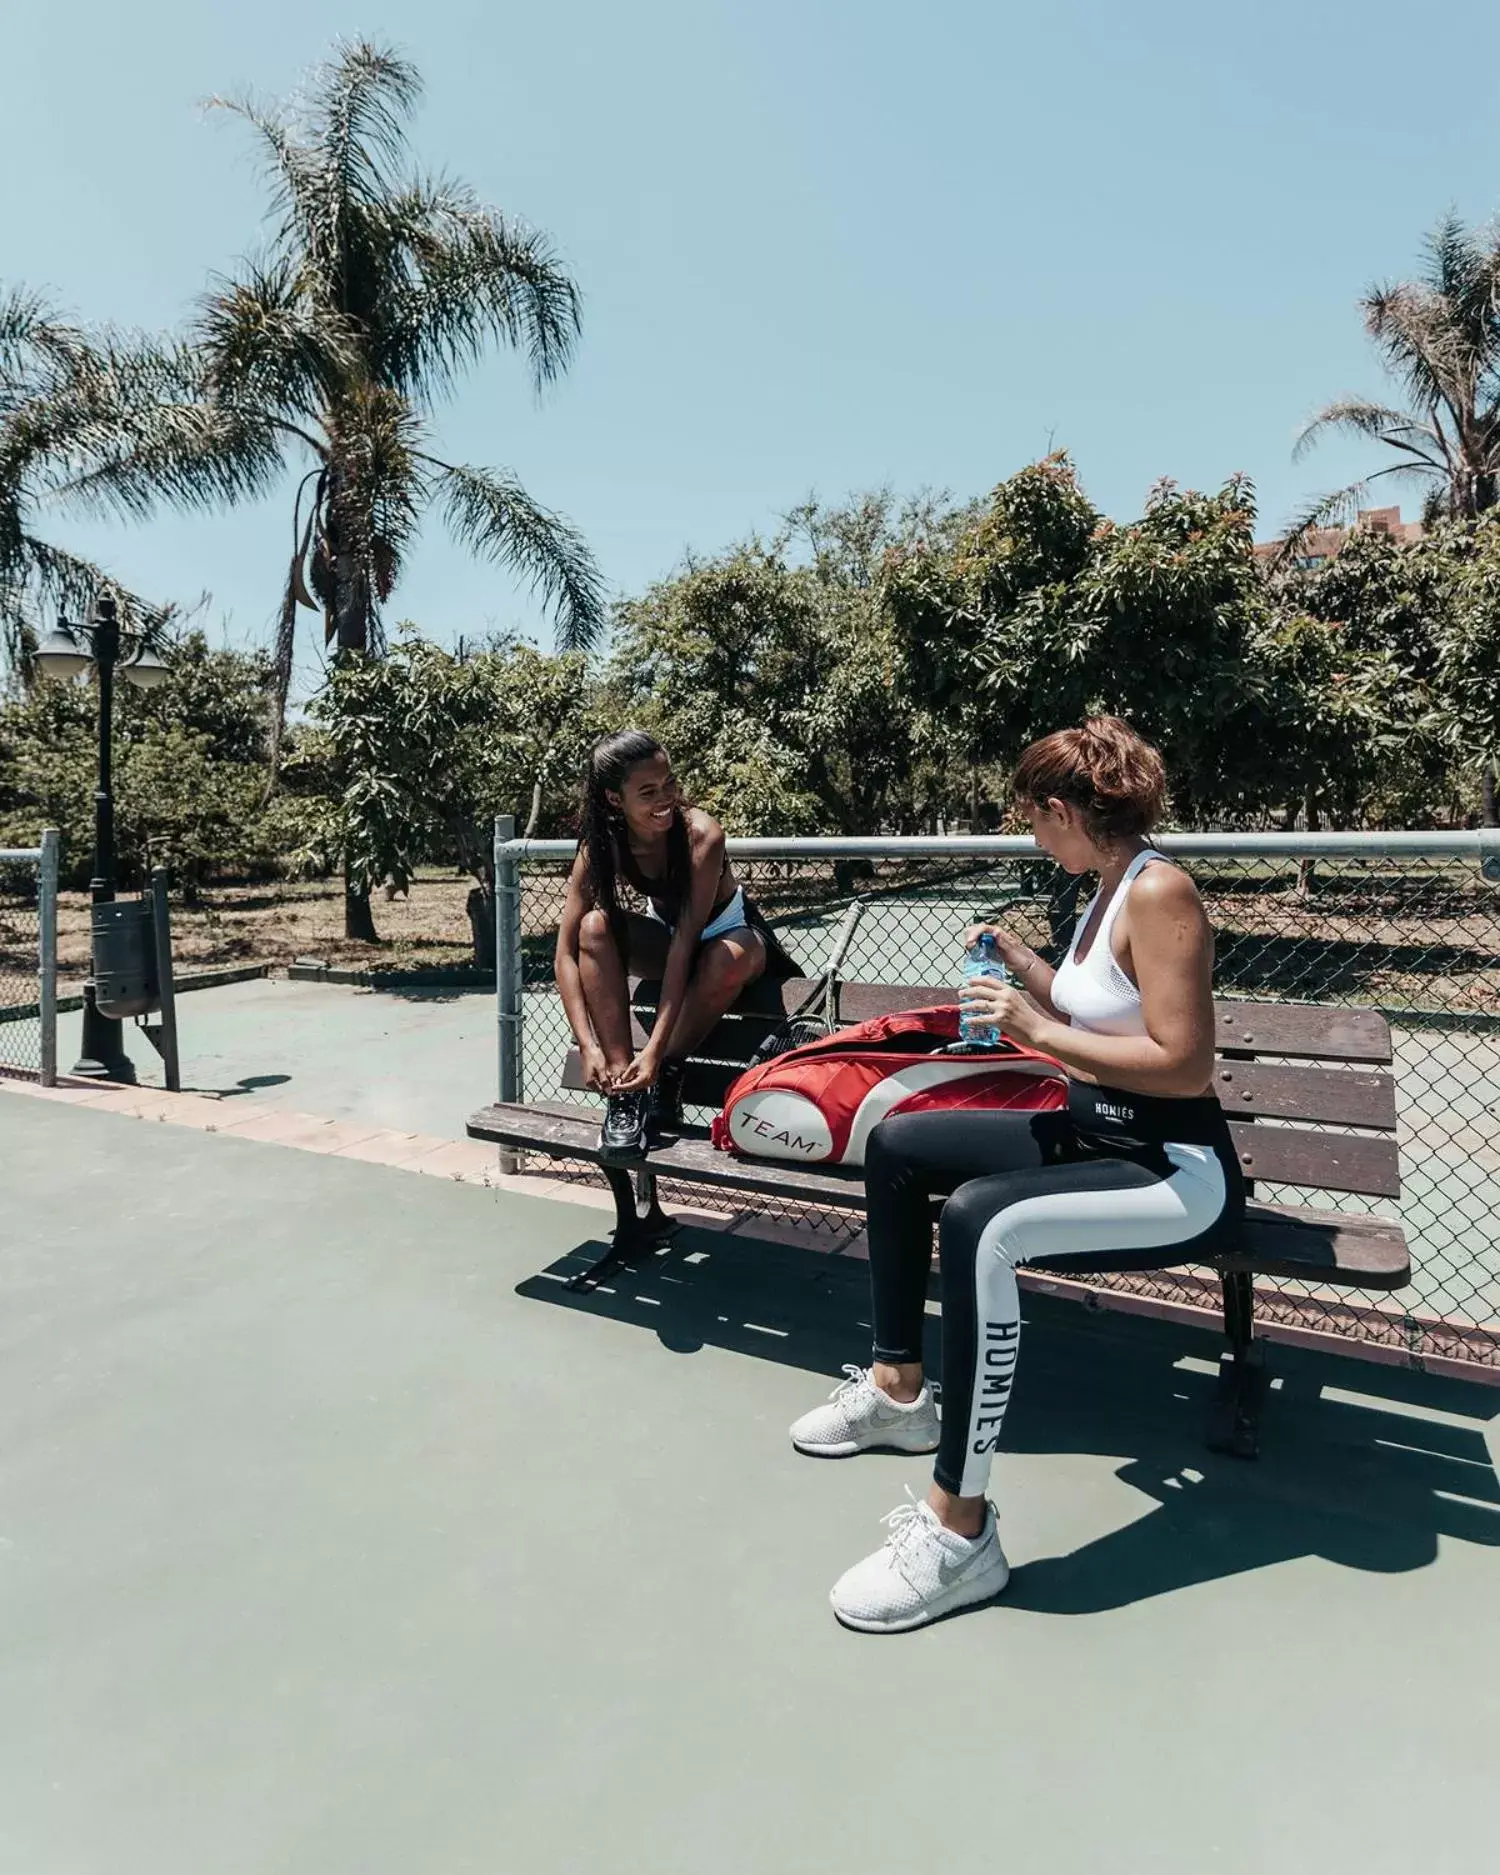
(66, 403)
(328, 351)
(1439, 337)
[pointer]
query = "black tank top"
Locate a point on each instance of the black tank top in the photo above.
(660, 890)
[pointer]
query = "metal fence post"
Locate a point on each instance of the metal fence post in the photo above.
(46, 909)
(166, 988)
(508, 966)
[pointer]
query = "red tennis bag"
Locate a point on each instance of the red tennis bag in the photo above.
(821, 1102)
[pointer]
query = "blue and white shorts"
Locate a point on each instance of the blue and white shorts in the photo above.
(732, 918)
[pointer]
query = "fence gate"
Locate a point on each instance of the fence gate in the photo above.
(28, 960)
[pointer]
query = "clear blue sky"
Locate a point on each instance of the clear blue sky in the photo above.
(823, 243)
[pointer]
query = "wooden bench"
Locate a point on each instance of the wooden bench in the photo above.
(1283, 1069)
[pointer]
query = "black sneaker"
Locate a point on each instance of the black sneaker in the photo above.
(666, 1100)
(623, 1135)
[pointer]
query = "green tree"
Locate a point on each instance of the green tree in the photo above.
(1043, 612)
(964, 609)
(1381, 607)
(1466, 681)
(1439, 337)
(772, 674)
(190, 770)
(328, 352)
(426, 746)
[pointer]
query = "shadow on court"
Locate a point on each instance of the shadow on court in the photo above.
(1363, 1466)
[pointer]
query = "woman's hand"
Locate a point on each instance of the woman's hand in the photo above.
(594, 1068)
(987, 999)
(1015, 952)
(641, 1072)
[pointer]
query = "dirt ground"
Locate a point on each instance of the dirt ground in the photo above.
(278, 923)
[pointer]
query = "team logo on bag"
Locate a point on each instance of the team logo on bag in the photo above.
(781, 1125)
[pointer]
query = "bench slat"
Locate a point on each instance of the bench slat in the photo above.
(695, 1159)
(1246, 1090)
(1275, 1155)
(1329, 1096)
(1284, 1155)
(1334, 1247)
(1295, 1031)
(1302, 1031)
(1293, 1155)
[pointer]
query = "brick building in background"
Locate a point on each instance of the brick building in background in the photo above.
(1322, 543)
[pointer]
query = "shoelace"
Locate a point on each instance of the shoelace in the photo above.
(627, 1107)
(903, 1522)
(908, 1528)
(856, 1378)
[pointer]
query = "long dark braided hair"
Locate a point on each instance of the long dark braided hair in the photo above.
(605, 836)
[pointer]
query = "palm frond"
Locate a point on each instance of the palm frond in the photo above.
(493, 515)
(283, 650)
(68, 582)
(475, 274)
(1340, 509)
(262, 342)
(1455, 261)
(355, 110)
(149, 435)
(1385, 424)
(357, 106)
(382, 452)
(296, 195)
(1412, 329)
(26, 325)
(48, 579)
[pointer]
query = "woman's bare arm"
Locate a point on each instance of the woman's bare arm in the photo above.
(706, 854)
(565, 957)
(1171, 955)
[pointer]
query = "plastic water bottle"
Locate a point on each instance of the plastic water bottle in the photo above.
(981, 959)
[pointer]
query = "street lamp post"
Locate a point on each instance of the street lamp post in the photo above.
(70, 650)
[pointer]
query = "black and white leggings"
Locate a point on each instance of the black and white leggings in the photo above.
(1114, 1181)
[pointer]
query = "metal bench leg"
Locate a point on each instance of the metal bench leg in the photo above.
(637, 1233)
(1234, 1424)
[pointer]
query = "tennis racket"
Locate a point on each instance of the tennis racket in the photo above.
(816, 1016)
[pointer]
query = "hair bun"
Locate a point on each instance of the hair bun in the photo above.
(1104, 768)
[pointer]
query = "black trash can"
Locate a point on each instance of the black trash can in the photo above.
(124, 959)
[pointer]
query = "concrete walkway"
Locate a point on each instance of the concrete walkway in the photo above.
(417, 1061)
(336, 1538)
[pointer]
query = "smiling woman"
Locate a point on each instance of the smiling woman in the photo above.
(699, 935)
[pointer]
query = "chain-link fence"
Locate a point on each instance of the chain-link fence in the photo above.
(1408, 924)
(28, 960)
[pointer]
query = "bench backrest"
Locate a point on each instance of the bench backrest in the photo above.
(1282, 1071)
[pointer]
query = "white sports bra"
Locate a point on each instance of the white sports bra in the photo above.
(1096, 994)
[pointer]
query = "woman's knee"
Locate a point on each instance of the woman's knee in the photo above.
(893, 1145)
(975, 1215)
(594, 933)
(729, 964)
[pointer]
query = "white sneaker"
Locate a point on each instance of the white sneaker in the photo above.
(860, 1418)
(923, 1572)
